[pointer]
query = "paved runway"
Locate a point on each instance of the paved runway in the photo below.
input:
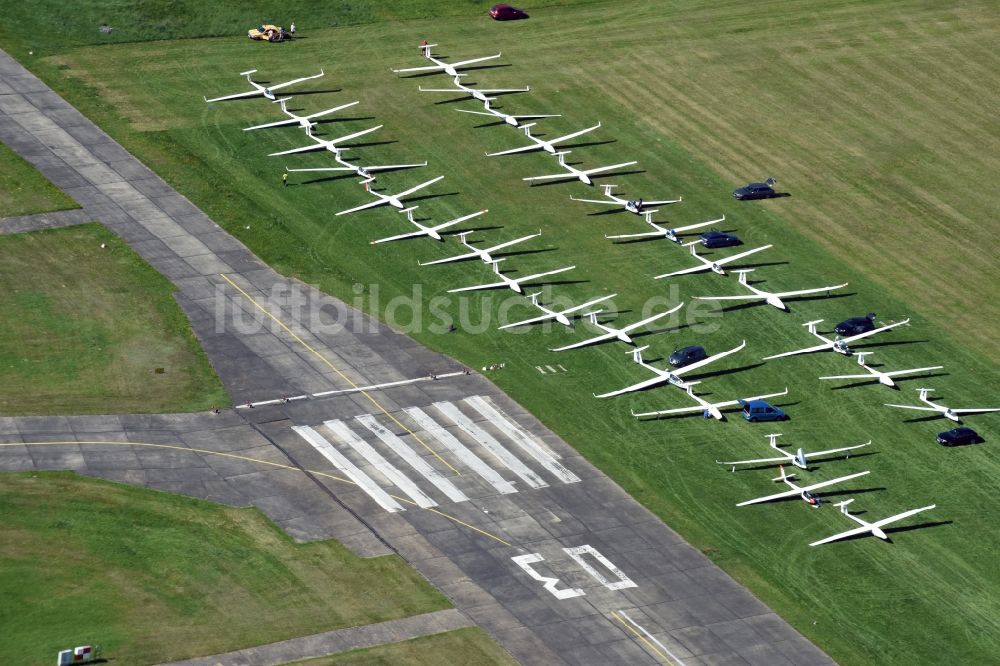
(525, 537)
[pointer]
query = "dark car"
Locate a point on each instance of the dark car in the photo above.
(959, 437)
(716, 238)
(756, 190)
(506, 13)
(687, 356)
(856, 325)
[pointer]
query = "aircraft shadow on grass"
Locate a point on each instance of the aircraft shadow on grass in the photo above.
(570, 178)
(790, 299)
(664, 329)
(339, 119)
(874, 380)
(829, 494)
(887, 343)
(520, 253)
(895, 530)
(423, 75)
(812, 466)
(368, 144)
(313, 92)
(412, 200)
(469, 230)
(721, 373)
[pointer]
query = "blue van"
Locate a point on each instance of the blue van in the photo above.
(760, 410)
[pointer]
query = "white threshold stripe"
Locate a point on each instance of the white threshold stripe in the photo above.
(490, 444)
(400, 448)
(374, 458)
(651, 637)
(347, 467)
(545, 457)
(457, 449)
(373, 387)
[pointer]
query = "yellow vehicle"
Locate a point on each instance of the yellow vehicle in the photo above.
(266, 32)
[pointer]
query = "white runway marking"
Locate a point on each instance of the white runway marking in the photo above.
(375, 387)
(534, 448)
(651, 637)
(467, 457)
(347, 467)
(346, 435)
(400, 448)
(491, 444)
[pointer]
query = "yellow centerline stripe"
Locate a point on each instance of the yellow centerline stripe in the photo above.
(640, 637)
(261, 462)
(342, 375)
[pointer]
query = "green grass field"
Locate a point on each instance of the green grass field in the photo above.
(470, 647)
(874, 116)
(154, 577)
(83, 330)
(24, 191)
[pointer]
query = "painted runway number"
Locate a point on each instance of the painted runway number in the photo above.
(577, 553)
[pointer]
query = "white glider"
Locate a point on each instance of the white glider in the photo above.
(667, 376)
(514, 120)
(805, 492)
(941, 410)
(363, 171)
(557, 315)
(483, 95)
(583, 175)
(874, 529)
(441, 66)
(714, 266)
(485, 254)
(432, 231)
(637, 206)
(771, 298)
(800, 458)
(541, 144)
(611, 333)
(713, 409)
(304, 122)
(266, 91)
(512, 283)
(882, 377)
(325, 144)
(663, 232)
(395, 200)
(840, 345)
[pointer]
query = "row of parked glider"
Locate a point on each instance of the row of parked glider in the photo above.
(588, 310)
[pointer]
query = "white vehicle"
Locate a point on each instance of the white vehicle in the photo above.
(482, 94)
(305, 122)
(874, 529)
(583, 175)
(805, 492)
(637, 206)
(713, 409)
(611, 333)
(800, 458)
(884, 378)
(512, 283)
(557, 315)
(490, 111)
(941, 410)
(441, 66)
(395, 200)
(771, 298)
(667, 376)
(432, 231)
(258, 89)
(541, 144)
(484, 254)
(325, 144)
(363, 171)
(663, 232)
(714, 266)
(840, 345)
